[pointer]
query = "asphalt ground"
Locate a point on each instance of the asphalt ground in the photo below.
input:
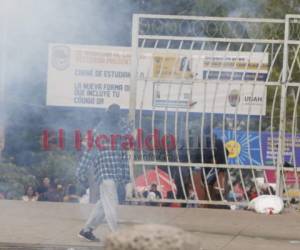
(43, 225)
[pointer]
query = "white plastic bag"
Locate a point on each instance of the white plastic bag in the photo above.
(267, 204)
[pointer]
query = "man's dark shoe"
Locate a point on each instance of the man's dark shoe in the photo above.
(88, 235)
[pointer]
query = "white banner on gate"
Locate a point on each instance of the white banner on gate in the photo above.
(97, 76)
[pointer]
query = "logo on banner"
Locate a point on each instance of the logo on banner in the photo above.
(61, 57)
(234, 98)
(234, 148)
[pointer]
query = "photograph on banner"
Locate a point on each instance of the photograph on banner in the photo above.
(170, 66)
(209, 65)
(235, 66)
(202, 96)
(97, 76)
(218, 81)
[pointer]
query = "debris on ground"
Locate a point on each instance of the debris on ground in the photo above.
(267, 204)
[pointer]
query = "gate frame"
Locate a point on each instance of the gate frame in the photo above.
(283, 84)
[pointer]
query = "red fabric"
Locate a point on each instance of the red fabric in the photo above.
(253, 195)
(159, 177)
(175, 205)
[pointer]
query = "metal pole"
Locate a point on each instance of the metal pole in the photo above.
(282, 115)
(134, 73)
(133, 83)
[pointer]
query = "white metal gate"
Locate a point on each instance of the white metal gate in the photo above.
(215, 105)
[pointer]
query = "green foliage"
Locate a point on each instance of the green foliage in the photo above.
(278, 8)
(241, 8)
(14, 180)
(57, 165)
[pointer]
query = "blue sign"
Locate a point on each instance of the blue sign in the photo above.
(258, 149)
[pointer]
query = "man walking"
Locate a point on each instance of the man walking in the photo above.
(111, 168)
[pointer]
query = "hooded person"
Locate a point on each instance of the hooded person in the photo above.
(110, 164)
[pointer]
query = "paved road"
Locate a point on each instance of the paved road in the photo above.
(43, 225)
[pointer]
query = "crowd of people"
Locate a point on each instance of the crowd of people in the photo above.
(189, 192)
(209, 183)
(52, 191)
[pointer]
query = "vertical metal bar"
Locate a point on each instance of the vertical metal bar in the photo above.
(281, 137)
(187, 131)
(248, 142)
(134, 64)
(229, 88)
(211, 125)
(188, 145)
(202, 122)
(295, 128)
(211, 121)
(154, 150)
(176, 145)
(133, 86)
(293, 63)
(248, 122)
(274, 57)
(165, 121)
(153, 130)
(141, 117)
(272, 125)
(153, 120)
(235, 121)
(294, 136)
(201, 139)
(223, 135)
(166, 145)
(235, 138)
(273, 105)
(213, 142)
(176, 129)
(153, 112)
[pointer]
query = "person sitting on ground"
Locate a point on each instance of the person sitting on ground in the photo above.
(2, 196)
(252, 194)
(191, 196)
(71, 196)
(43, 189)
(266, 189)
(30, 194)
(170, 196)
(55, 193)
(214, 152)
(85, 197)
(237, 194)
(152, 195)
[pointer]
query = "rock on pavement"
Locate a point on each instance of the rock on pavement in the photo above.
(152, 237)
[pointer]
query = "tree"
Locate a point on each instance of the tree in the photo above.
(57, 165)
(14, 180)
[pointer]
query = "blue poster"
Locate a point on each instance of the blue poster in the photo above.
(258, 149)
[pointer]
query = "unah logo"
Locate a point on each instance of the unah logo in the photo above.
(234, 97)
(61, 57)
